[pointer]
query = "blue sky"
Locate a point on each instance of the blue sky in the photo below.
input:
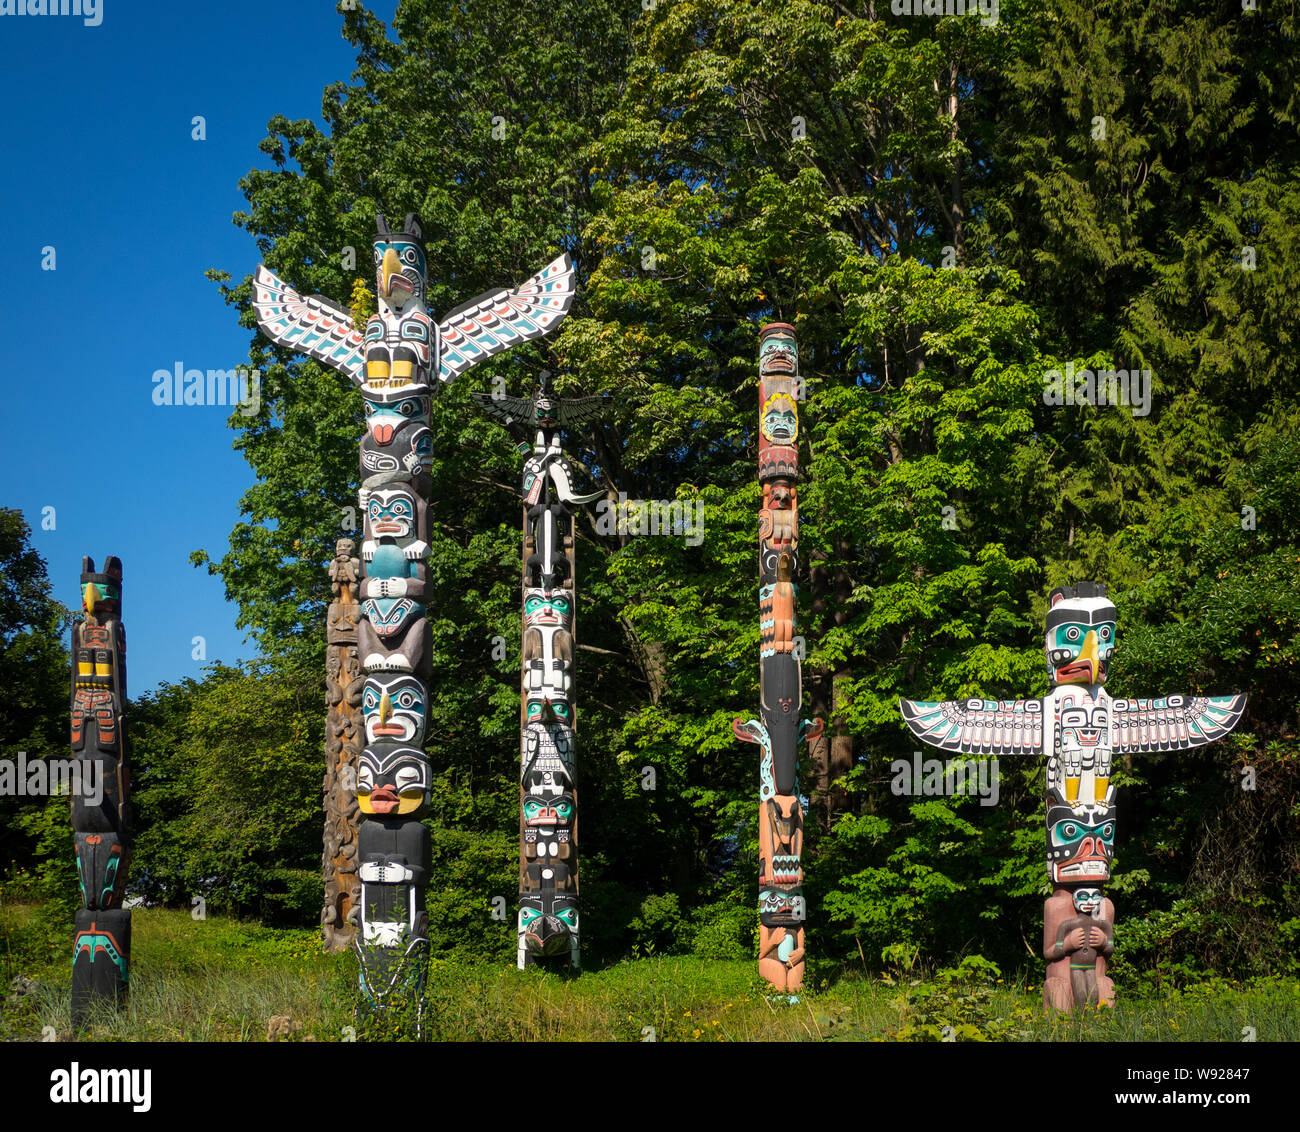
(99, 164)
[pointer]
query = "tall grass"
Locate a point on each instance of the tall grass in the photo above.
(222, 980)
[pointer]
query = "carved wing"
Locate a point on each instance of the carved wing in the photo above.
(1172, 723)
(977, 727)
(579, 409)
(507, 410)
(313, 325)
(497, 320)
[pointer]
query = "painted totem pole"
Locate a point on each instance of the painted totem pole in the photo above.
(102, 948)
(397, 360)
(548, 796)
(781, 906)
(1080, 729)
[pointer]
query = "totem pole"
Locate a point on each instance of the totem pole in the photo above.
(102, 947)
(381, 660)
(1080, 729)
(344, 739)
(781, 906)
(548, 818)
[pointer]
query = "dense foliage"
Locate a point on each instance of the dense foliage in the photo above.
(946, 211)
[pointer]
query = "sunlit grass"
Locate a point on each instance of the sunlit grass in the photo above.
(222, 980)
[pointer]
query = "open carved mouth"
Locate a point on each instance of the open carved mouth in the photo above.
(383, 799)
(1085, 869)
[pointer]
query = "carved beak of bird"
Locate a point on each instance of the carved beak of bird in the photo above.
(385, 713)
(88, 598)
(1087, 664)
(391, 278)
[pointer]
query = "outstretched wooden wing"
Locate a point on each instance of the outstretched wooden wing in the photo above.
(313, 325)
(579, 409)
(507, 410)
(977, 727)
(497, 320)
(1172, 723)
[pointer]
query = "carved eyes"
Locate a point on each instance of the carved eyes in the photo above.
(408, 778)
(410, 256)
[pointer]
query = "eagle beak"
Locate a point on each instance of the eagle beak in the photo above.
(88, 598)
(385, 708)
(391, 266)
(1091, 654)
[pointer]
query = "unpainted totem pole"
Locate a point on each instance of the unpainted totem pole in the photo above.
(381, 660)
(344, 740)
(102, 947)
(782, 909)
(1080, 729)
(548, 802)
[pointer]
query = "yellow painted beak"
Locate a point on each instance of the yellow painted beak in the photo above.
(88, 597)
(385, 708)
(390, 266)
(1092, 653)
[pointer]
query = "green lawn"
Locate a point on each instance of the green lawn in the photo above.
(223, 980)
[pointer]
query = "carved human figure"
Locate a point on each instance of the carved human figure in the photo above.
(1078, 937)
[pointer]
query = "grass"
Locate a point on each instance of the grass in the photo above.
(223, 980)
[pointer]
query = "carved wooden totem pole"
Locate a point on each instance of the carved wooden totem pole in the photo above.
(548, 803)
(1080, 729)
(779, 731)
(102, 947)
(381, 660)
(344, 740)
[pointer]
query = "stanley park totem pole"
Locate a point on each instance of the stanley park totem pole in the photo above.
(781, 905)
(1080, 729)
(548, 817)
(102, 948)
(380, 650)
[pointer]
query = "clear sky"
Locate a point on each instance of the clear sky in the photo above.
(98, 162)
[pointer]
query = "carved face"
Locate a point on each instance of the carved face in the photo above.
(548, 915)
(101, 593)
(388, 409)
(391, 512)
(1082, 725)
(1087, 901)
(392, 780)
(400, 270)
(780, 419)
(1080, 638)
(778, 353)
(394, 708)
(1080, 846)
(547, 607)
(535, 710)
(390, 617)
(548, 814)
(781, 908)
